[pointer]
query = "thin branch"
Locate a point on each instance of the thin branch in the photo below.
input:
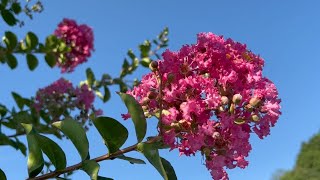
(17, 134)
(97, 159)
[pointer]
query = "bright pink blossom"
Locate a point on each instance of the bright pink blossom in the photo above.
(79, 38)
(213, 97)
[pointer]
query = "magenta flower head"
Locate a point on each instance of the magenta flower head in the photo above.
(212, 96)
(60, 99)
(79, 38)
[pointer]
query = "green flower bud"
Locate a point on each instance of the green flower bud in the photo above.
(255, 118)
(232, 108)
(239, 121)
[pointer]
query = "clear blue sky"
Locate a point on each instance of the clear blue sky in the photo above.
(285, 33)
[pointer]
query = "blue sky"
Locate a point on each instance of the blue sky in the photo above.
(285, 33)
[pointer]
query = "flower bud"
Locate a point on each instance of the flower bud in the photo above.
(220, 109)
(145, 101)
(170, 78)
(216, 135)
(184, 68)
(152, 95)
(248, 107)
(224, 100)
(206, 151)
(239, 121)
(255, 118)
(232, 108)
(153, 66)
(254, 101)
(236, 98)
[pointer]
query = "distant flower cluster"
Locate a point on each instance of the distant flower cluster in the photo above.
(60, 99)
(213, 96)
(79, 38)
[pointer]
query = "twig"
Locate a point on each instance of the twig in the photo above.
(97, 159)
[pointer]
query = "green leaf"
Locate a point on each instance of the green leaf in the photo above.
(74, 131)
(107, 94)
(145, 61)
(153, 157)
(131, 160)
(91, 167)
(137, 115)
(50, 59)
(11, 61)
(125, 68)
(53, 151)
(90, 77)
(104, 178)
(8, 17)
(2, 175)
(31, 40)
(4, 3)
(16, 8)
(5, 140)
(19, 100)
(21, 147)
(133, 57)
(169, 169)
(113, 133)
(10, 39)
(3, 110)
(51, 42)
(145, 48)
(23, 117)
(35, 158)
(32, 61)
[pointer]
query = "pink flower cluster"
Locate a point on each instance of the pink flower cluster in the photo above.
(61, 98)
(213, 96)
(79, 38)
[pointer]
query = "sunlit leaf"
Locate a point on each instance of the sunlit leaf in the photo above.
(137, 115)
(74, 131)
(35, 158)
(91, 167)
(53, 151)
(90, 76)
(153, 157)
(113, 132)
(31, 40)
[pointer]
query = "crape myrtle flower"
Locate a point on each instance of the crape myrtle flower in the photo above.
(79, 38)
(61, 99)
(213, 97)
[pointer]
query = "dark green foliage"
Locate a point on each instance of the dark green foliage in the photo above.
(308, 162)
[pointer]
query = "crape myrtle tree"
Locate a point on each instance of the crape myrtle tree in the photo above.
(208, 98)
